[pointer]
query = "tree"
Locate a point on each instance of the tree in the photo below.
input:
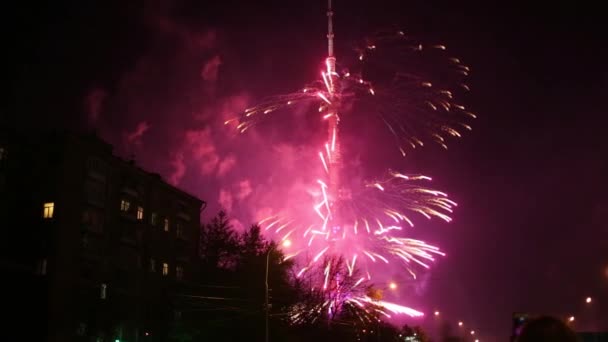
(333, 302)
(251, 242)
(330, 302)
(218, 243)
(414, 334)
(232, 287)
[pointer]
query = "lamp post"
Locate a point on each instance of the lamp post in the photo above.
(286, 244)
(266, 305)
(393, 287)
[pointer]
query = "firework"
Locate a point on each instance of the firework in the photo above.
(411, 88)
(345, 295)
(366, 226)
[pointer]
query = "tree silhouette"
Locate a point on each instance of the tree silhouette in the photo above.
(218, 243)
(227, 301)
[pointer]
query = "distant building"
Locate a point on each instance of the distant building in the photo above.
(93, 247)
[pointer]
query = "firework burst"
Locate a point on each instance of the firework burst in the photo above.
(345, 296)
(412, 89)
(365, 225)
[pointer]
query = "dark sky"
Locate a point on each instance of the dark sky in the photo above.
(530, 232)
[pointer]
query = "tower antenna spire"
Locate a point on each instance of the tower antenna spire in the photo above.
(330, 30)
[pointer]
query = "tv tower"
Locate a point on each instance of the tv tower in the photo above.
(333, 118)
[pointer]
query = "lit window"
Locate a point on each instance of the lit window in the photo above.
(124, 205)
(154, 219)
(179, 272)
(165, 269)
(140, 213)
(103, 291)
(49, 208)
(152, 265)
(166, 224)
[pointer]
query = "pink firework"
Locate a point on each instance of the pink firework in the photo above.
(410, 88)
(366, 226)
(343, 295)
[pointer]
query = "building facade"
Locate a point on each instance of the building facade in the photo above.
(101, 247)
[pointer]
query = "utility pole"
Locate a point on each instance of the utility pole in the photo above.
(266, 304)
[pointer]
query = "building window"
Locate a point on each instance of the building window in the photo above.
(140, 213)
(41, 267)
(179, 272)
(92, 219)
(154, 219)
(48, 210)
(152, 265)
(95, 192)
(85, 241)
(179, 231)
(82, 329)
(125, 205)
(165, 269)
(166, 224)
(103, 291)
(97, 169)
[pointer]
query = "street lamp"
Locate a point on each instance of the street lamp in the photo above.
(571, 319)
(472, 332)
(460, 323)
(392, 285)
(266, 304)
(286, 243)
(436, 313)
(588, 300)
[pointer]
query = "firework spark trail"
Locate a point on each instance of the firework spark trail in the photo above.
(343, 293)
(412, 89)
(384, 208)
(407, 102)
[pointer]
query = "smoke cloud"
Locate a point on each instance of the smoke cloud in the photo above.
(168, 111)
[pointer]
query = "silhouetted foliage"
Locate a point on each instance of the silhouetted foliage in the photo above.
(227, 302)
(415, 334)
(219, 243)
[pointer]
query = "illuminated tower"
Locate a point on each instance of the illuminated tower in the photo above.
(333, 119)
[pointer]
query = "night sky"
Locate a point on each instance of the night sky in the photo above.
(154, 78)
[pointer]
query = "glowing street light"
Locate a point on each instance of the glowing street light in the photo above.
(472, 332)
(436, 313)
(588, 300)
(392, 285)
(460, 323)
(571, 319)
(286, 243)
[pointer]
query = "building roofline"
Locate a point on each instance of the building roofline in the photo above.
(154, 175)
(108, 148)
